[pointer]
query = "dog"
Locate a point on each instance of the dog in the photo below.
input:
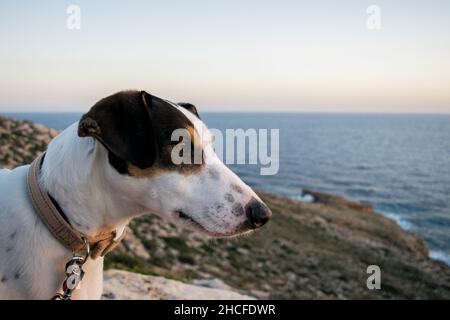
(112, 165)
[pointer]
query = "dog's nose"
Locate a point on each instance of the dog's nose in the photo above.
(257, 213)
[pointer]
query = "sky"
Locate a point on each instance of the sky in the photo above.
(312, 56)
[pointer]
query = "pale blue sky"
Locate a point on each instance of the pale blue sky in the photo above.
(228, 55)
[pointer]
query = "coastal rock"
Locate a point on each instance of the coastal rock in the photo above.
(123, 285)
(211, 283)
(134, 245)
(329, 199)
(22, 141)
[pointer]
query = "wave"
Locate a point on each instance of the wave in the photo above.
(440, 256)
(405, 225)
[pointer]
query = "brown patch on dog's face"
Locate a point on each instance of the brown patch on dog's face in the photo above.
(194, 136)
(142, 173)
(163, 165)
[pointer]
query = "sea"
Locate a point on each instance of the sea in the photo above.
(400, 163)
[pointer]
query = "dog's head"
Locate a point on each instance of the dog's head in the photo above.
(137, 129)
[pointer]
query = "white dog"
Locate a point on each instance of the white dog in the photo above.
(113, 165)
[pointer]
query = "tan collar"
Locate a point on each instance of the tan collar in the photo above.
(54, 219)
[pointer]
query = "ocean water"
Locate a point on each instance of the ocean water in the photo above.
(399, 163)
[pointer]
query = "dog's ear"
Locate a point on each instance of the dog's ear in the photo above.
(190, 107)
(123, 123)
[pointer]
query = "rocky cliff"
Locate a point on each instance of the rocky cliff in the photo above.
(20, 141)
(310, 250)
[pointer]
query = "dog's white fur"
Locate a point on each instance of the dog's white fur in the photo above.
(95, 197)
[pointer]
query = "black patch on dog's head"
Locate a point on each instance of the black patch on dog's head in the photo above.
(190, 107)
(136, 128)
(123, 123)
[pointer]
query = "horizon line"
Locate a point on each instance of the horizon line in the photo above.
(260, 112)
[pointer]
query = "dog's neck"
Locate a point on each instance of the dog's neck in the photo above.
(76, 173)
